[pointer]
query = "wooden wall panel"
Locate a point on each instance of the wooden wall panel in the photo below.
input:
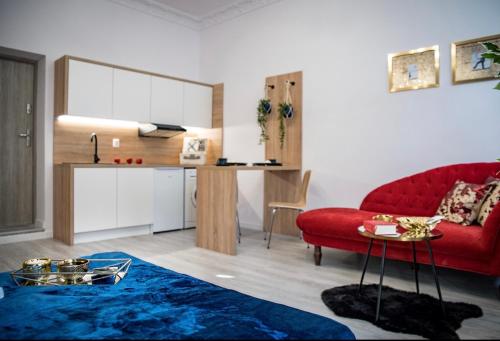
(61, 86)
(216, 209)
(72, 143)
(218, 106)
(284, 187)
(63, 203)
(291, 153)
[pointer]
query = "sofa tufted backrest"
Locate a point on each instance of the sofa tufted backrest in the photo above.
(421, 194)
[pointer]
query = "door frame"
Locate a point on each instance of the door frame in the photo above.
(39, 189)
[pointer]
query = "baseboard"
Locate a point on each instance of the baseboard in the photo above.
(87, 237)
(4, 232)
(23, 237)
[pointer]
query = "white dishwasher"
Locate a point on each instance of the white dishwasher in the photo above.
(190, 198)
(168, 199)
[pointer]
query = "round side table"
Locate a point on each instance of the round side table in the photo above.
(434, 234)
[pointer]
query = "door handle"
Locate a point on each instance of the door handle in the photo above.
(27, 136)
(193, 197)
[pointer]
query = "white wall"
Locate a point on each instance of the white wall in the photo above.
(356, 135)
(95, 29)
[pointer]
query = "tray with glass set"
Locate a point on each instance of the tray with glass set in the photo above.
(75, 271)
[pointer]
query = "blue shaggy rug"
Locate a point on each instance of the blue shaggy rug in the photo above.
(152, 303)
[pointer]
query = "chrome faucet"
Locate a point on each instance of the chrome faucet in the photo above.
(93, 137)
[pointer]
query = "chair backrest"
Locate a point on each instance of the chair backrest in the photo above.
(305, 186)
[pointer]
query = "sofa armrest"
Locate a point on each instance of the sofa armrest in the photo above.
(491, 230)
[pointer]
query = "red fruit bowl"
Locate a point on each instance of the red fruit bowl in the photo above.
(129, 161)
(117, 160)
(138, 161)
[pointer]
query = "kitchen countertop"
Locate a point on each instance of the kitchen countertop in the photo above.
(126, 165)
(122, 165)
(265, 168)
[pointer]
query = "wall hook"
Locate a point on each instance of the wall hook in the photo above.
(271, 86)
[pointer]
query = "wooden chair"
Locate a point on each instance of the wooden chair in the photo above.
(298, 206)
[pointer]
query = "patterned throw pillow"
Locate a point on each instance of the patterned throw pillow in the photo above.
(462, 203)
(490, 200)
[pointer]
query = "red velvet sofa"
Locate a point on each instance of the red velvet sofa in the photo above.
(471, 248)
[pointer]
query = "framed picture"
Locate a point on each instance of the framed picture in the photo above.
(414, 69)
(467, 64)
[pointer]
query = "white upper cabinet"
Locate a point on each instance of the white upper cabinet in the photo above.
(197, 105)
(95, 90)
(131, 96)
(167, 96)
(90, 90)
(135, 197)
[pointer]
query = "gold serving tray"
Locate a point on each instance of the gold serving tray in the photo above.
(101, 271)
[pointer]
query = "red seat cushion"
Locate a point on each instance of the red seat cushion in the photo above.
(334, 222)
(462, 241)
(343, 223)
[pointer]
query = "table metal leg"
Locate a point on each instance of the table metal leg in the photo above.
(382, 268)
(415, 266)
(367, 258)
(434, 270)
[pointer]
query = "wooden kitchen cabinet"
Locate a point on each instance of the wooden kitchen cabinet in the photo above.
(167, 101)
(90, 90)
(94, 202)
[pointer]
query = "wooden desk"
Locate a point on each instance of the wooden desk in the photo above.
(216, 203)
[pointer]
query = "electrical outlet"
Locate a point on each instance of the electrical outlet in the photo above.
(116, 143)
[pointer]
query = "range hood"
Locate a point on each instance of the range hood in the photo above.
(159, 130)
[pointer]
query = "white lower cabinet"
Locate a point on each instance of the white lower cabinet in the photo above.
(116, 202)
(94, 199)
(169, 204)
(135, 196)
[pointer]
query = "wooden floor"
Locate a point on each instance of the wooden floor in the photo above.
(284, 274)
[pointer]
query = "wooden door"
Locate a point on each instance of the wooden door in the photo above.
(16, 143)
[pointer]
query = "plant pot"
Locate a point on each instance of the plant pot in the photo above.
(267, 106)
(287, 111)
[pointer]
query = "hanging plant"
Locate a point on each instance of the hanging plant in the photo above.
(493, 53)
(263, 111)
(285, 111)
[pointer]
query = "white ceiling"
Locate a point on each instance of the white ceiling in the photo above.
(198, 8)
(196, 14)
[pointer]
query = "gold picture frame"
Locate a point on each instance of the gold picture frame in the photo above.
(414, 69)
(466, 59)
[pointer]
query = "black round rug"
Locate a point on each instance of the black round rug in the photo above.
(400, 311)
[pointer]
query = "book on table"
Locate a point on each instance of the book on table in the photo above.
(381, 228)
